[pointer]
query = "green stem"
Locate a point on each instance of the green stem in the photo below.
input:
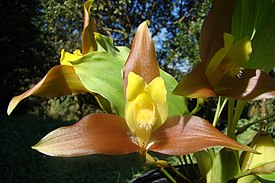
(216, 117)
(168, 175)
(243, 174)
(194, 169)
(230, 113)
(221, 103)
(180, 158)
(180, 174)
(239, 109)
(200, 102)
(164, 164)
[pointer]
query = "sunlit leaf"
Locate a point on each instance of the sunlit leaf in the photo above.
(176, 104)
(225, 166)
(60, 80)
(105, 43)
(255, 18)
(205, 163)
(100, 72)
(189, 134)
(94, 134)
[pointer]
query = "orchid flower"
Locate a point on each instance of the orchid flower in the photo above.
(147, 124)
(85, 72)
(223, 68)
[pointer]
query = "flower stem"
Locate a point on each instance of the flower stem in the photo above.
(221, 103)
(230, 112)
(200, 102)
(164, 164)
(167, 175)
(239, 109)
(179, 174)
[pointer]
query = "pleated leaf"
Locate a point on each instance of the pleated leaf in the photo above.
(225, 166)
(100, 72)
(255, 18)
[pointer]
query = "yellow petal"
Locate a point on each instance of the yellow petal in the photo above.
(219, 56)
(229, 59)
(158, 93)
(89, 27)
(141, 117)
(67, 57)
(146, 107)
(239, 53)
(136, 86)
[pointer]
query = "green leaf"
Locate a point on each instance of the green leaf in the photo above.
(105, 43)
(246, 17)
(225, 166)
(266, 171)
(100, 72)
(205, 163)
(255, 18)
(176, 104)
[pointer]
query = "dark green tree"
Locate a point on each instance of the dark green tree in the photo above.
(174, 25)
(23, 50)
